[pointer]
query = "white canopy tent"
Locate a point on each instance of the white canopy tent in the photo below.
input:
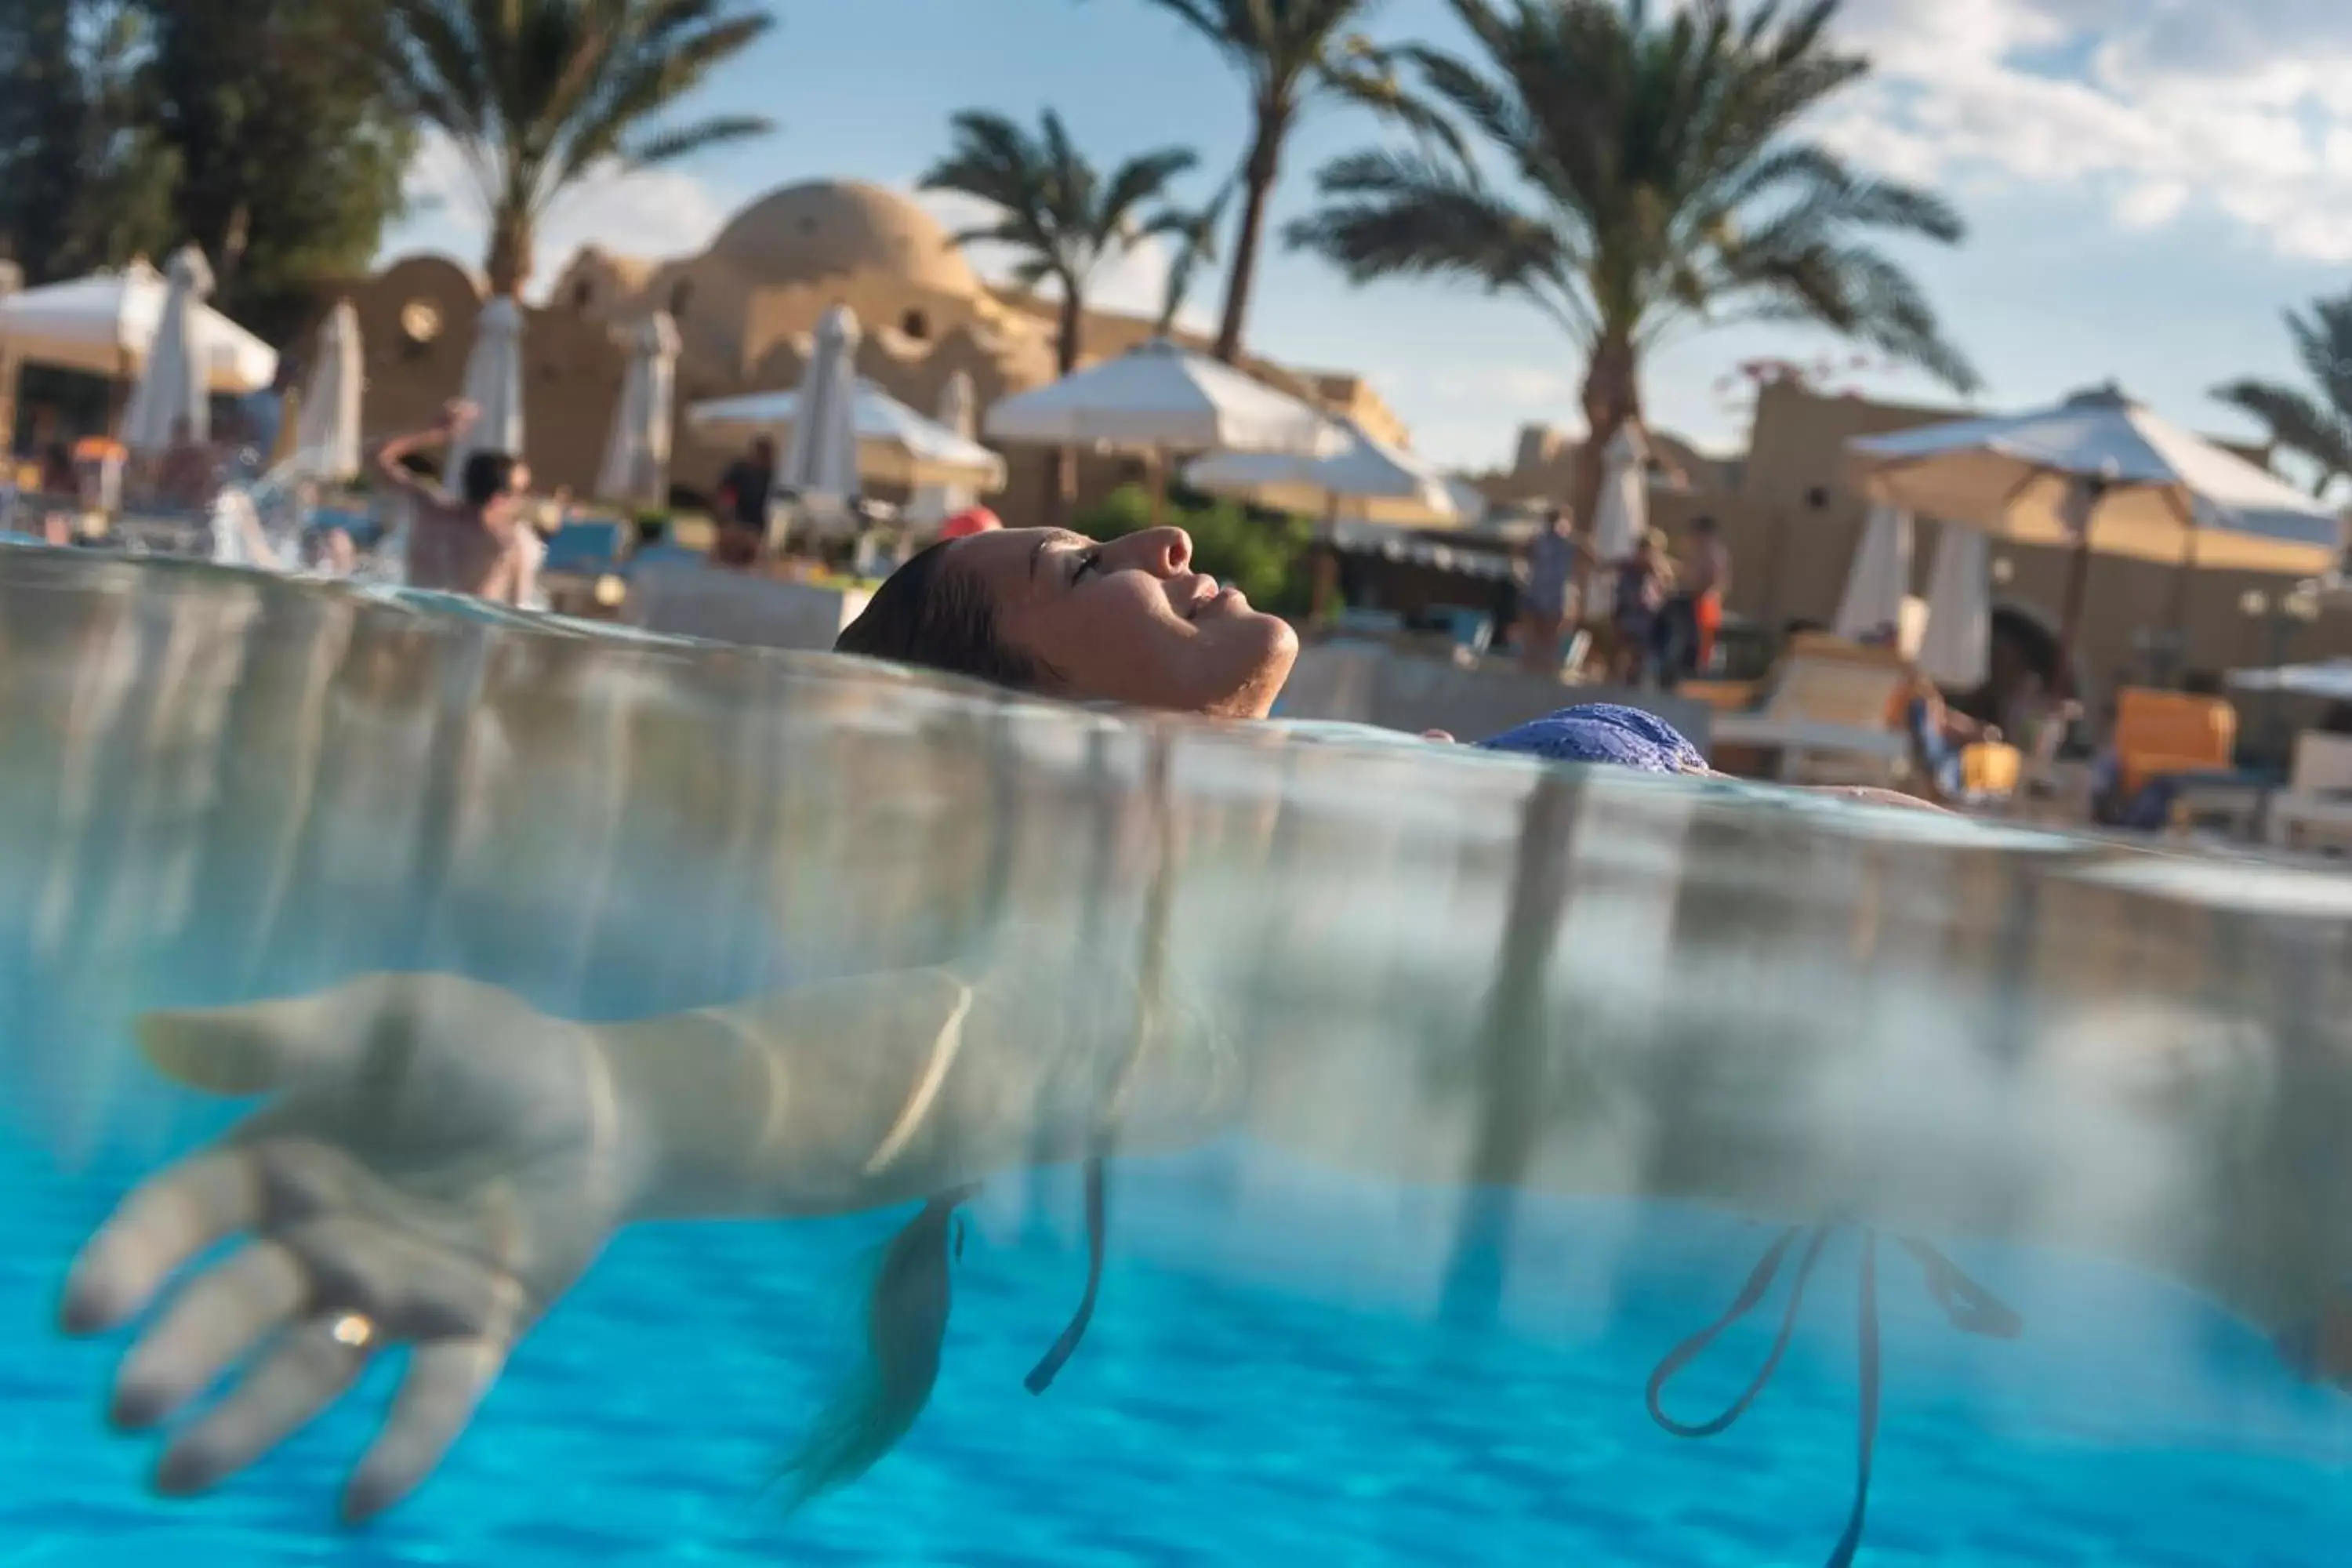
(2099, 473)
(105, 324)
(171, 401)
(637, 453)
(1159, 399)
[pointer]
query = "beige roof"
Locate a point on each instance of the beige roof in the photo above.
(830, 228)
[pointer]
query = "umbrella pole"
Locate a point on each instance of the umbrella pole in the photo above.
(1327, 563)
(2070, 614)
(1155, 476)
(2182, 578)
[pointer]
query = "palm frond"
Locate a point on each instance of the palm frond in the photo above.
(1408, 214)
(685, 141)
(2295, 421)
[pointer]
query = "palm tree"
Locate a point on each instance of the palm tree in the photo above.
(1293, 54)
(536, 94)
(1060, 215)
(1658, 187)
(2316, 428)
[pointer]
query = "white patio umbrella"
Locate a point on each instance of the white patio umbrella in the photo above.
(958, 412)
(104, 326)
(637, 453)
(1366, 481)
(1880, 577)
(2101, 473)
(1955, 652)
(894, 445)
(819, 462)
(1159, 398)
(1624, 515)
(171, 395)
(326, 431)
(494, 386)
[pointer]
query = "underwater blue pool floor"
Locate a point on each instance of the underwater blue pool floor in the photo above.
(1222, 1413)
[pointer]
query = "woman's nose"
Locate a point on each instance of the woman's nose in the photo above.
(1162, 552)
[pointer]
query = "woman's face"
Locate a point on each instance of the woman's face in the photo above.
(1131, 621)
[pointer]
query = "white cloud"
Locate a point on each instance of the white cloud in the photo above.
(2150, 107)
(656, 213)
(1133, 281)
(1513, 386)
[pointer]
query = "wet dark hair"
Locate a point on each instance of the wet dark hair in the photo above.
(932, 616)
(487, 477)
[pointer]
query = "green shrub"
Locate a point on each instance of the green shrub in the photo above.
(1265, 555)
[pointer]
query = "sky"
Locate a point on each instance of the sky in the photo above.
(2148, 185)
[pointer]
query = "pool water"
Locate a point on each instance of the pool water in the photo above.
(1399, 1306)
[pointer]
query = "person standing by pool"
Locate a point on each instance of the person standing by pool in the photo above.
(1552, 560)
(743, 493)
(467, 544)
(1694, 614)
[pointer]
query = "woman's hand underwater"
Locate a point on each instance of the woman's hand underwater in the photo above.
(435, 1164)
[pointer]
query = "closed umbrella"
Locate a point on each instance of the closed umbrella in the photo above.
(2100, 473)
(327, 433)
(494, 386)
(1879, 578)
(637, 453)
(1159, 398)
(104, 326)
(172, 398)
(819, 463)
(1624, 512)
(1955, 650)
(958, 412)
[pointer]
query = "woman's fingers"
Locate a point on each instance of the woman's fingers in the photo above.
(445, 1381)
(307, 1370)
(215, 1323)
(161, 1225)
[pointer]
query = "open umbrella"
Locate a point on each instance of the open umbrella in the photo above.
(1880, 577)
(494, 386)
(327, 433)
(2099, 472)
(1365, 480)
(958, 412)
(637, 453)
(172, 398)
(105, 323)
(893, 444)
(1159, 398)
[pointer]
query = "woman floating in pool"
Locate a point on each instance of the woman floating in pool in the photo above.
(437, 1162)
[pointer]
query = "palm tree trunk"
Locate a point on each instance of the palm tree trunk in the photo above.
(1258, 176)
(1612, 398)
(1062, 464)
(509, 260)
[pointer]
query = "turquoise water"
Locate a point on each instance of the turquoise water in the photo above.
(1502, 1138)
